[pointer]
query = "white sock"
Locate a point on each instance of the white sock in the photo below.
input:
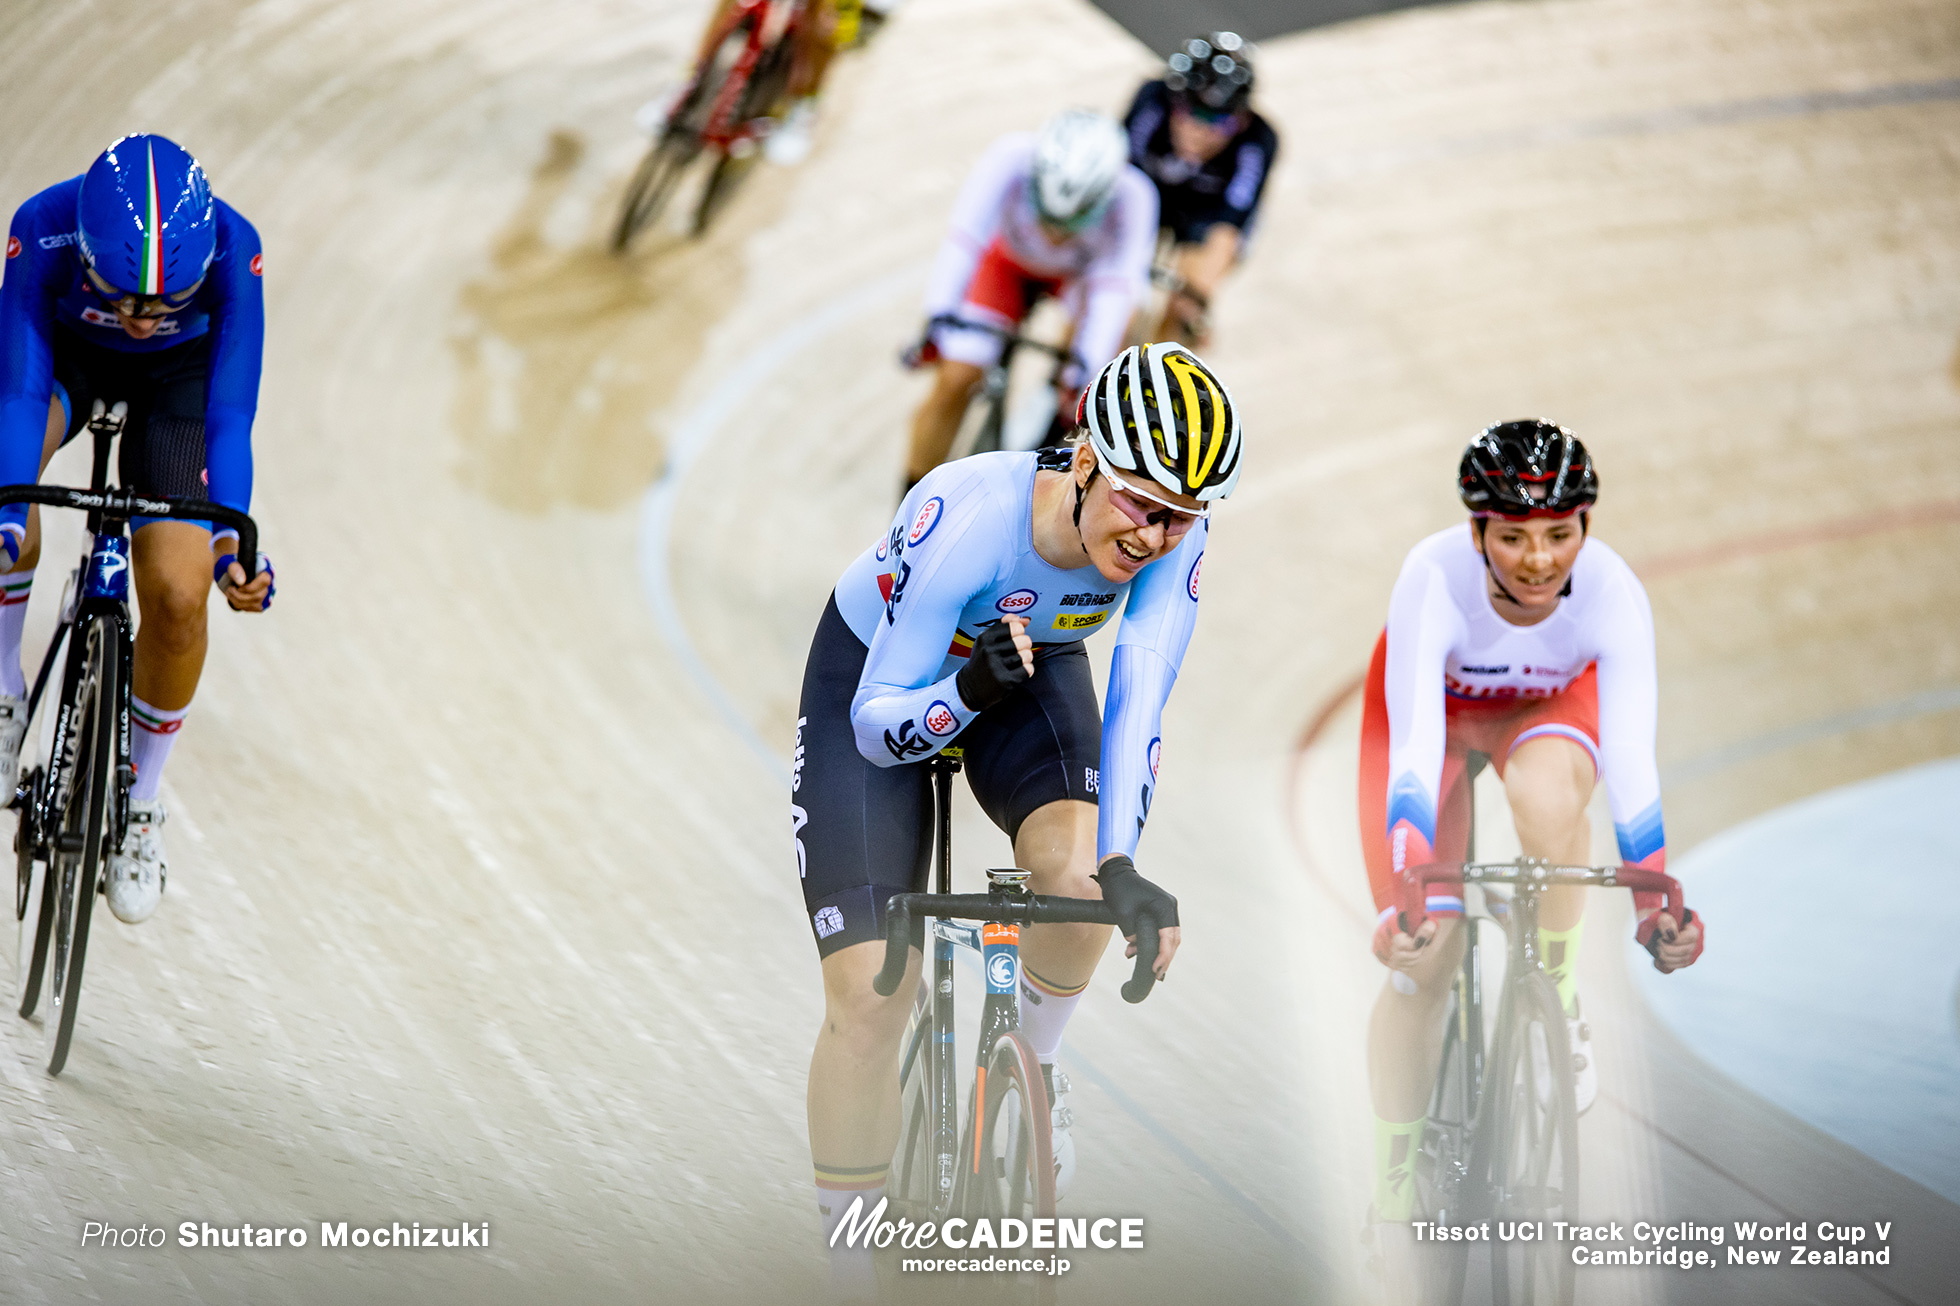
(852, 1275)
(14, 587)
(152, 734)
(1045, 1009)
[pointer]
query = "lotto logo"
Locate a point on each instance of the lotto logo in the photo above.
(13, 247)
(1191, 581)
(1156, 754)
(829, 921)
(258, 265)
(927, 519)
(941, 720)
(1017, 602)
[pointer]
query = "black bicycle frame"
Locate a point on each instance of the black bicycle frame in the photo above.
(102, 589)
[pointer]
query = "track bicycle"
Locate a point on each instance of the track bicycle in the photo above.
(724, 112)
(1502, 1142)
(74, 802)
(984, 425)
(1000, 1162)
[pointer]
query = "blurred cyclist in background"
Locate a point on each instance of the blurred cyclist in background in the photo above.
(826, 27)
(1517, 636)
(1058, 212)
(132, 283)
(1195, 134)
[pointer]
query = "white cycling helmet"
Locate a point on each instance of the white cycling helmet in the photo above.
(1160, 411)
(1077, 158)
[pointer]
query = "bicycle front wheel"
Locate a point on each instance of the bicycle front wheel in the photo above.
(83, 842)
(1534, 1175)
(1016, 1152)
(654, 183)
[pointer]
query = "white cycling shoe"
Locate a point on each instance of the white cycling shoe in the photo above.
(138, 869)
(13, 733)
(1061, 1124)
(1585, 1071)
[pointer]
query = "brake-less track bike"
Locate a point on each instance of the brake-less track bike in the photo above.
(724, 112)
(1000, 1162)
(74, 803)
(984, 424)
(1502, 1140)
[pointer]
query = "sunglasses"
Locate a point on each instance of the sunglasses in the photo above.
(130, 305)
(1134, 504)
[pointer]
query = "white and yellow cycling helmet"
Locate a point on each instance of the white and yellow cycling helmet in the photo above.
(1159, 411)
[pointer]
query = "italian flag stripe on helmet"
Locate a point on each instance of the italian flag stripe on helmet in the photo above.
(152, 232)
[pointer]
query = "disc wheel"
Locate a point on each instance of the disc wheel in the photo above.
(1534, 1175)
(82, 837)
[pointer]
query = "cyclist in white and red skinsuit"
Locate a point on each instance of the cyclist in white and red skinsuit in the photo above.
(1060, 212)
(1517, 636)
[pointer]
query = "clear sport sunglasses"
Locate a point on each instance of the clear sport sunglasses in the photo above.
(1131, 502)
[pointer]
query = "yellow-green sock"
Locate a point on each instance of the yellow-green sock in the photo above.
(1559, 950)
(1395, 1179)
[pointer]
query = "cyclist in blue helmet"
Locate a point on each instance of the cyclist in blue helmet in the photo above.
(133, 283)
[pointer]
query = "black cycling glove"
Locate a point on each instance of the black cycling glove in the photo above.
(1132, 897)
(993, 670)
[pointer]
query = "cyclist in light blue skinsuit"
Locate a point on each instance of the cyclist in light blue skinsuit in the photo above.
(965, 624)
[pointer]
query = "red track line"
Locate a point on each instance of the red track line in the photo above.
(1844, 528)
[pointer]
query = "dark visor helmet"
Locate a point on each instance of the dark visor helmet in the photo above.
(1211, 74)
(1527, 468)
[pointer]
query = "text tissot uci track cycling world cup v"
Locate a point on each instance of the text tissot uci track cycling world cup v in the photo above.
(891, 653)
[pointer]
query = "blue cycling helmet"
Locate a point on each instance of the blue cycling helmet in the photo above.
(145, 218)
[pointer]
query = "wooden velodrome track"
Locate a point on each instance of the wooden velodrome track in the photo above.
(481, 904)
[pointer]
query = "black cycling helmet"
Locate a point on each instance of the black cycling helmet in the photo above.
(1527, 468)
(1211, 73)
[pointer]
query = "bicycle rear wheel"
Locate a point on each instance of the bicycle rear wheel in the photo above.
(33, 905)
(82, 839)
(1443, 1156)
(680, 142)
(1534, 1173)
(912, 1188)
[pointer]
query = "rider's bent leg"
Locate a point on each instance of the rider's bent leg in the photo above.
(937, 420)
(172, 563)
(1057, 842)
(853, 1098)
(1405, 1042)
(1549, 781)
(17, 580)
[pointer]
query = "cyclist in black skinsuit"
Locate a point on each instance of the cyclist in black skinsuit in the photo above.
(1194, 133)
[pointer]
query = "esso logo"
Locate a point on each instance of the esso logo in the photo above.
(258, 265)
(1156, 753)
(1018, 602)
(941, 719)
(13, 247)
(928, 518)
(1000, 971)
(1191, 581)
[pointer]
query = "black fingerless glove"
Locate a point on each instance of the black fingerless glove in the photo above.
(993, 671)
(1132, 897)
